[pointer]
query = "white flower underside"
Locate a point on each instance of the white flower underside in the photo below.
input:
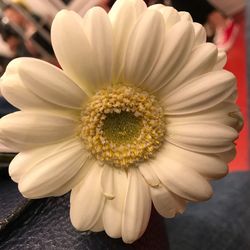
(157, 50)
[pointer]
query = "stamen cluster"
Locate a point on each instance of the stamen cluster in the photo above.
(122, 126)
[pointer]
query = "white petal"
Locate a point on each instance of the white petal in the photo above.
(73, 50)
(51, 172)
(123, 24)
(107, 182)
(120, 7)
(5, 148)
(149, 175)
(221, 60)
(26, 130)
(25, 160)
(49, 83)
(200, 61)
(19, 96)
(140, 56)
(98, 227)
(75, 180)
(185, 16)
(137, 208)
(166, 203)
(113, 209)
(233, 97)
(170, 15)
(228, 156)
(200, 34)
(184, 182)
(17, 168)
(98, 30)
(87, 201)
(199, 94)
(202, 137)
(208, 165)
(225, 113)
(176, 50)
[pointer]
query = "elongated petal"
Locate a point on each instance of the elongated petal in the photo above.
(200, 34)
(26, 130)
(177, 48)
(166, 203)
(21, 97)
(113, 209)
(149, 175)
(120, 7)
(207, 165)
(225, 113)
(98, 30)
(49, 83)
(73, 50)
(228, 155)
(107, 182)
(201, 61)
(221, 60)
(5, 148)
(123, 24)
(202, 93)
(202, 137)
(187, 184)
(87, 200)
(137, 208)
(185, 16)
(149, 28)
(170, 15)
(75, 180)
(233, 97)
(238, 120)
(27, 159)
(98, 227)
(52, 171)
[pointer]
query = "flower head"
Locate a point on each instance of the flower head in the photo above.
(141, 112)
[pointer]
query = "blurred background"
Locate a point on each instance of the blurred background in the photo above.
(25, 31)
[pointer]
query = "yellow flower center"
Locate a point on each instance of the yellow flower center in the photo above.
(122, 126)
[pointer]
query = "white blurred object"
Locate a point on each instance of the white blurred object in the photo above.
(4, 49)
(229, 7)
(226, 36)
(47, 9)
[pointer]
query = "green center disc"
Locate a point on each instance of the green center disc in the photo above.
(121, 128)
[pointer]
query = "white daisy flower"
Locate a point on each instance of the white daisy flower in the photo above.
(141, 112)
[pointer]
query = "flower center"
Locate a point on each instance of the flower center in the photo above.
(122, 126)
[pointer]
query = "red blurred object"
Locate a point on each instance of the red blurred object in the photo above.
(237, 63)
(225, 37)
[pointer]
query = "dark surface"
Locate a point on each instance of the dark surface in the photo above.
(5, 159)
(5, 107)
(223, 223)
(199, 9)
(11, 202)
(45, 224)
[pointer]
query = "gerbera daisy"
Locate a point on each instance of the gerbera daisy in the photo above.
(141, 112)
